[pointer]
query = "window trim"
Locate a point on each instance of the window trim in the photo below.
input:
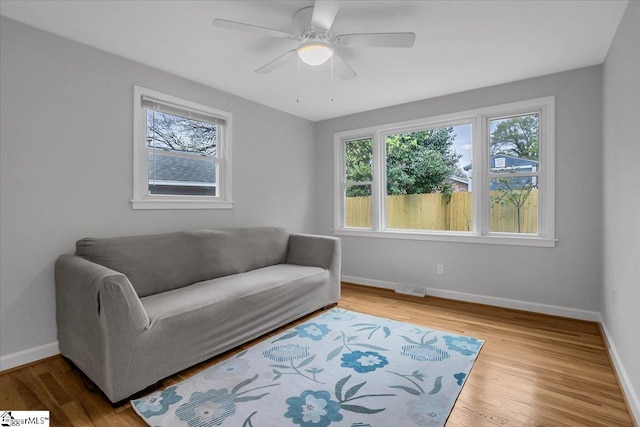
(141, 197)
(479, 118)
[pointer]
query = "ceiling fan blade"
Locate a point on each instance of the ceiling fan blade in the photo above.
(324, 13)
(233, 25)
(342, 69)
(278, 62)
(376, 40)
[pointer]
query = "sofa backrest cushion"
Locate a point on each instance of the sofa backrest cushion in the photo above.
(162, 262)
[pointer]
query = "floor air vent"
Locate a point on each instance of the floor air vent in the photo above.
(410, 290)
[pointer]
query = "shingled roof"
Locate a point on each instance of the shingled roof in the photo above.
(173, 168)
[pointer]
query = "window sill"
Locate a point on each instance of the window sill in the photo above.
(181, 204)
(512, 240)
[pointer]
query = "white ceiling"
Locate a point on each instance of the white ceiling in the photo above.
(460, 45)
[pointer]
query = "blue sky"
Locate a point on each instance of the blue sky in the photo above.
(462, 143)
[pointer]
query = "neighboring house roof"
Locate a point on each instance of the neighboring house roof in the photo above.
(459, 179)
(509, 162)
(185, 169)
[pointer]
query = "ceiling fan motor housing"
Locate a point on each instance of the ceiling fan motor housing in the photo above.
(311, 34)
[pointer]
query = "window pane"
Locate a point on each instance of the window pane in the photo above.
(514, 144)
(428, 186)
(181, 134)
(181, 175)
(514, 205)
(359, 155)
(181, 152)
(358, 206)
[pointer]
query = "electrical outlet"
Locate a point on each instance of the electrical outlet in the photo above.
(440, 269)
(613, 296)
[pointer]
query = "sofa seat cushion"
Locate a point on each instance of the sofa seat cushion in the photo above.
(203, 296)
(194, 323)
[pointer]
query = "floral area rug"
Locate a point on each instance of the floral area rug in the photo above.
(340, 368)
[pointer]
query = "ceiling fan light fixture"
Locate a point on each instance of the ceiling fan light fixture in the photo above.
(314, 53)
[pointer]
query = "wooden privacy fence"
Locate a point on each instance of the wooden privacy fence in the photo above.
(433, 212)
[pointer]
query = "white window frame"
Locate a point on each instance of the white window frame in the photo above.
(141, 197)
(479, 119)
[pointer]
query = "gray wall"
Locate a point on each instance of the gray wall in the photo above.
(66, 171)
(568, 275)
(621, 231)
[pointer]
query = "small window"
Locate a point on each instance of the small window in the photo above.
(513, 176)
(358, 155)
(182, 154)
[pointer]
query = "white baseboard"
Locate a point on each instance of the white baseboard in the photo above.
(553, 310)
(29, 355)
(625, 381)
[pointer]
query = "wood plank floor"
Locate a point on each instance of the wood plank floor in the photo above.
(534, 370)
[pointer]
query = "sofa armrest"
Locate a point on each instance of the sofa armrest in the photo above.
(99, 317)
(313, 250)
(318, 251)
(86, 288)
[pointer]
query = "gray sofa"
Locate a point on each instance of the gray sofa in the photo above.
(134, 310)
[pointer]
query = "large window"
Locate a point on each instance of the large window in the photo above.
(181, 153)
(477, 176)
(426, 185)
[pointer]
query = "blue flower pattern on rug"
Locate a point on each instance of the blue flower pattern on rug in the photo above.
(363, 361)
(338, 368)
(157, 404)
(314, 331)
(313, 409)
(464, 345)
(460, 376)
(207, 409)
(229, 368)
(287, 352)
(423, 353)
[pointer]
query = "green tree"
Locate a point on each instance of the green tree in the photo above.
(359, 157)
(420, 162)
(517, 137)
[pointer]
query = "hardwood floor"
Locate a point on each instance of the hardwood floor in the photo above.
(534, 370)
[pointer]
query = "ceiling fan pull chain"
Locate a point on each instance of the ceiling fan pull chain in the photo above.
(298, 83)
(331, 81)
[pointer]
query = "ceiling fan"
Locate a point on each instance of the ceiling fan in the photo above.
(317, 43)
